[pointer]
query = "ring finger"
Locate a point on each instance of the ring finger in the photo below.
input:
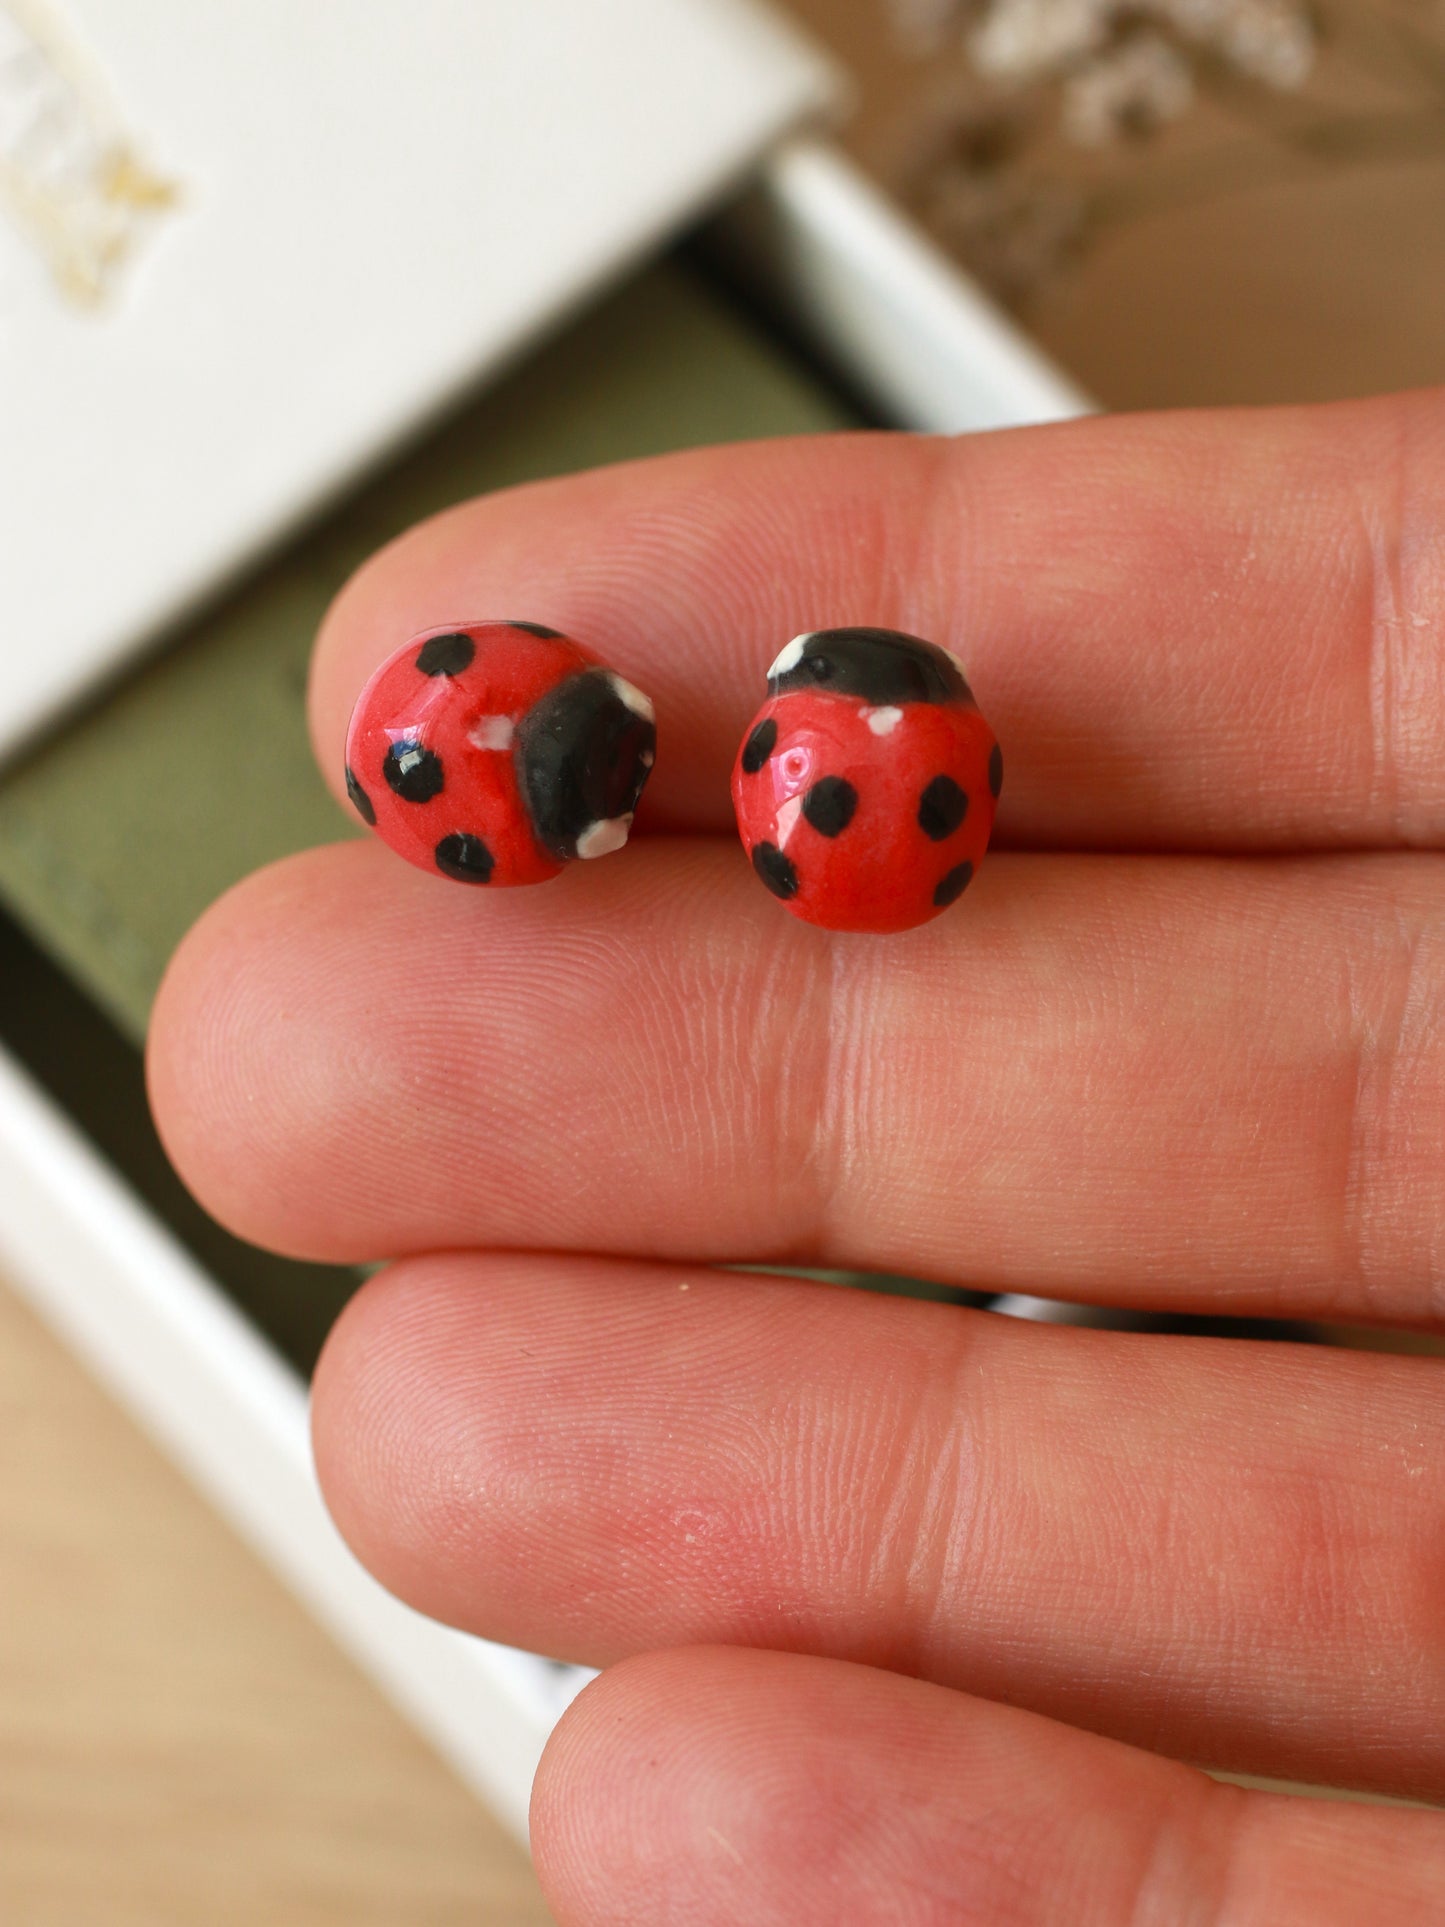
(1227, 1552)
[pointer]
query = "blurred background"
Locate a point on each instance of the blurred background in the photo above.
(1185, 201)
(1180, 201)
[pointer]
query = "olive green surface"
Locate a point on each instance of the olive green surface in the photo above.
(119, 830)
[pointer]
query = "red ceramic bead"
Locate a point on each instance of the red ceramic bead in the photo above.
(495, 751)
(866, 786)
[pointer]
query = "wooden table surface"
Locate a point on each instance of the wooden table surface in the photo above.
(179, 1742)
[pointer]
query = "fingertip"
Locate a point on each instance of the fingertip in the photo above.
(683, 1784)
(190, 1061)
(234, 1062)
(381, 1454)
(591, 1845)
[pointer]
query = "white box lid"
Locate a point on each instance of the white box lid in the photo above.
(322, 223)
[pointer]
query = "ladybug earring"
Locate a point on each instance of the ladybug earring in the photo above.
(496, 751)
(865, 786)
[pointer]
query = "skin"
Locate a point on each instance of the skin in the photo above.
(948, 1584)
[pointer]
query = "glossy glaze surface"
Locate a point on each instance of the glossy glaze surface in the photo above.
(865, 787)
(494, 752)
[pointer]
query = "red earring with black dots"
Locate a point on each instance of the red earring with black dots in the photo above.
(494, 752)
(866, 785)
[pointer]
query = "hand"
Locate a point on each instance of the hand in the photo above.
(1181, 1045)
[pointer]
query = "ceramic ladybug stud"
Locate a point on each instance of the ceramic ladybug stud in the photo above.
(866, 785)
(494, 752)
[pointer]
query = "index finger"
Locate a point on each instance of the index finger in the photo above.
(1191, 630)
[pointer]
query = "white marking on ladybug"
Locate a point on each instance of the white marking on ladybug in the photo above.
(883, 721)
(958, 665)
(646, 758)
(601, 839)
(791, 656)
(491, 732)
(628, 693)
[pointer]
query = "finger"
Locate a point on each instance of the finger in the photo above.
(719, 1786)
(1125, 1079)
(1212, 629)
(1232, 1553)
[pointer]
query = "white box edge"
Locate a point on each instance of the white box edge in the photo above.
(139, 1312)
(893, 313)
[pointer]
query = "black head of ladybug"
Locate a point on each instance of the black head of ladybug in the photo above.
(878, 666)
(583, 754)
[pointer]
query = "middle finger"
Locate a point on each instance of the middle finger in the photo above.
(1215, 1082)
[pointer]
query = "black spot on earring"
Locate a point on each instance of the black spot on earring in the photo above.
(759, 746)
(538, 629)
(360, 801)
(995, 770)
(775, 870)
(941, 808)
(413, 772)
(466, 858)
(445, 655)
(953, 885)
(829, 805)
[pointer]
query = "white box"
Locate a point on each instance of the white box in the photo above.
(907, 329)
(322, 224)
